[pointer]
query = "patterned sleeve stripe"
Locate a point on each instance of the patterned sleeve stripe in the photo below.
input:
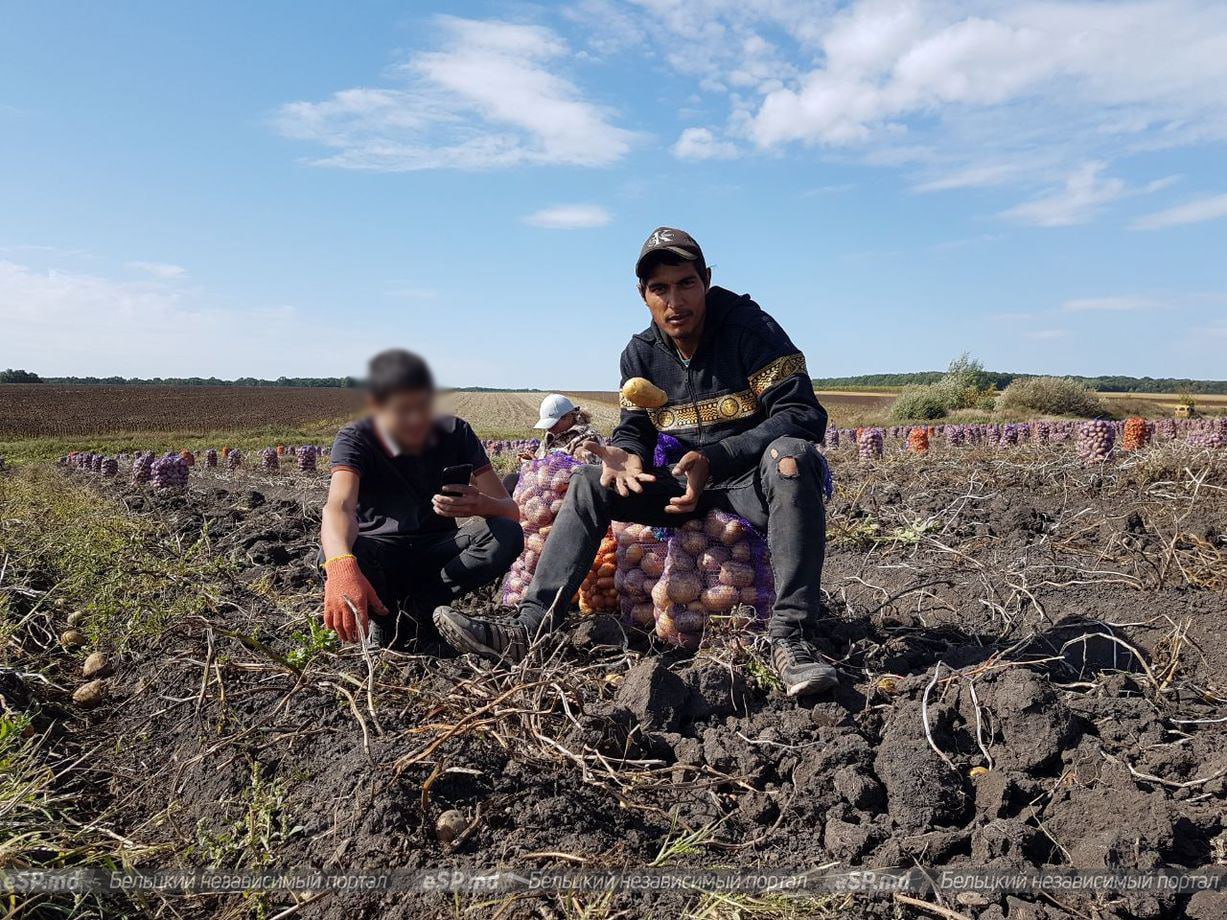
(779, 369)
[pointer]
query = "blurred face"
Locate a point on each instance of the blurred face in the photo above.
(677, 297)
(407, 416)
(566, 423)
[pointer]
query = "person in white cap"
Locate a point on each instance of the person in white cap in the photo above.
(566, 427)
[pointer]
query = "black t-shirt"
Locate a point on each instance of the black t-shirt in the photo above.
(395, 489)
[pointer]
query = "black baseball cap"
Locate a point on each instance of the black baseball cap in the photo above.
(668, 239)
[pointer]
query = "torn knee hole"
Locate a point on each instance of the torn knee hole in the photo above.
(787, 466)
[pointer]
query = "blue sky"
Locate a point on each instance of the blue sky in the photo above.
(283, 188)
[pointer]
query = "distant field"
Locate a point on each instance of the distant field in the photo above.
(55, 410)
(48, 420)
(513, 414)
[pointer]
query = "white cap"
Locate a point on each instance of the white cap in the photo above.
(553, 408)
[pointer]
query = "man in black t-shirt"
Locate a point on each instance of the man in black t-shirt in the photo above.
(392, 548)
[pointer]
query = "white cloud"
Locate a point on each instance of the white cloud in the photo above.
(569, 217)
(163, 270)
(701, 144)
(1129, 67)
(968, 93)
(1192, 212)
(1046, 335)
(1085, 192)
(491, 96)
(1111, 304)
(74, 323)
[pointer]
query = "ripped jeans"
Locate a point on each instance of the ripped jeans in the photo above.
(784, 500)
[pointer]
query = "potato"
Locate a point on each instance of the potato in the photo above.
(633, 553)
(683, 587)
(606, 569)
(90, 694)
(653, 563)
(721, 598)
(691, 542)
(742, 552)
(712, 558)
(660, 593)
(643, 615)
(72, 638)
(737, 574)
(450, 825)
(534, 541)
(734, 532)
(690, 620)
(96, 665)
(555, 507)
(667, 630)
(681, 561)
(641, 392)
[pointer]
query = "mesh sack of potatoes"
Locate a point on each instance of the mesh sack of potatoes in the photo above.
(640, 561)
(539, 493)
(597, 594)
(716, 573)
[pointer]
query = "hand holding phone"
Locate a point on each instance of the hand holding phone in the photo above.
(458, 499)
(458, 475)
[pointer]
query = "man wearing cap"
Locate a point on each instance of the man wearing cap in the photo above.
(566, 427)
(738, 398)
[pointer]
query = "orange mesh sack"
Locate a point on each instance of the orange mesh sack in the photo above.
(539, 494)
(640, 561)
(1136, 435)
(597, 594)
(717, 571)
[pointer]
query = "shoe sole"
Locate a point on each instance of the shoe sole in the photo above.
(814, 685)
(461, 640)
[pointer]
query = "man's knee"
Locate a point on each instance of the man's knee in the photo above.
(506, 539)
(585, 488)
(790, 458)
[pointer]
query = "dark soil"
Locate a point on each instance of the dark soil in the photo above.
(1063, 626)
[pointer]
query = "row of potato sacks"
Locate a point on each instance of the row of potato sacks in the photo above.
(712, 572)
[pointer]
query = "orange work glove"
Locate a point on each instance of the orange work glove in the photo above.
(346, 593)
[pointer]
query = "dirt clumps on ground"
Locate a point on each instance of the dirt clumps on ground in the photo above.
(1028, 680)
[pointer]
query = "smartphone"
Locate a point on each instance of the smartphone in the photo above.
(458, 475)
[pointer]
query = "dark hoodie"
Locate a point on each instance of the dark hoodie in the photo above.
(746, 386)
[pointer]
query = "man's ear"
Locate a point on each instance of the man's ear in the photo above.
(707, 279)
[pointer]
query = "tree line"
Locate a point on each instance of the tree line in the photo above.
(1000, 380)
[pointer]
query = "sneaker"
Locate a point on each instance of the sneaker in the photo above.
(506, 639)
(800, 668)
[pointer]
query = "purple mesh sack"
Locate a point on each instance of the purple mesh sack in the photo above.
(640, 555)
(1095, 441)
(717, 574)
(539, 493)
